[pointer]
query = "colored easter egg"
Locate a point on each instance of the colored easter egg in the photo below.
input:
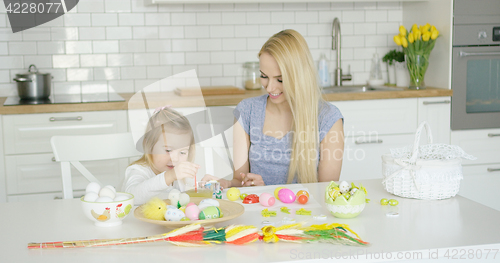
(183, 209)
(344, 187)
(192, 212)
(93, 187)
(174, 215)
(233, 194)
(393, 202)
(384, 201)
(302, 192)
(251, 199)
(334, 192)
(242, 196)
(266, 199)
(211, 212)
(185, 219)
(303, 199)
(90, 197)
(286, 195)
(190, 204)
(276, 191)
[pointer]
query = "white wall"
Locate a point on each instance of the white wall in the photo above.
(125, 45)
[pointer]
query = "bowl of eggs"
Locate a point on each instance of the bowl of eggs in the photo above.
(104, 206)
(344, 200)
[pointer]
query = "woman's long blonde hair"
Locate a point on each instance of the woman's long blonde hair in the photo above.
(165, 120)
(303, 94)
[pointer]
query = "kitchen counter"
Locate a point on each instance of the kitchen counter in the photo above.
(215, 100)
(424, 229)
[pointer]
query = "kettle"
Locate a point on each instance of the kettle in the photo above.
(33, 85)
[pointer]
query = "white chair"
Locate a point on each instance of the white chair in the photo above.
(211, 140)
(75, 148)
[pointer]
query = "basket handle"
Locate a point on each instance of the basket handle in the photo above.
(416, 143)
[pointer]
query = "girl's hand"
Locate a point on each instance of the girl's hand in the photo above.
(251, 179)
(185, 170)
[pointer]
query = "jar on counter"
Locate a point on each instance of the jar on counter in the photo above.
(251, 75)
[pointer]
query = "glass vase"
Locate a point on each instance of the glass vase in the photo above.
(417, 66)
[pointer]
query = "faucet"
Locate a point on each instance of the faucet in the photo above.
(336, 46)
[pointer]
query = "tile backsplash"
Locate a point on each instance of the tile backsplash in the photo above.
(125, 45)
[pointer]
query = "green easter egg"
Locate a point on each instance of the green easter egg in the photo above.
(384, 201)
(393, 202)
(211, 212)
(185, 219)
(242, 196)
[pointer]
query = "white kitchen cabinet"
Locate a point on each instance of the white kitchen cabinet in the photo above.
(30, 171)
(363, 155)
(31, 133)
(377, 117)
(436, 111)
(483, 144)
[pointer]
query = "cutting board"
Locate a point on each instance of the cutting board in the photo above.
(209, 91)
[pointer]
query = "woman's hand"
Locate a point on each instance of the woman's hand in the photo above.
(251, 179)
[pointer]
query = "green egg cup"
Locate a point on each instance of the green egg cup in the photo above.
(342, 208)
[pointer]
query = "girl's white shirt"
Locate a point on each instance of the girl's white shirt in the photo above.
(144, 184)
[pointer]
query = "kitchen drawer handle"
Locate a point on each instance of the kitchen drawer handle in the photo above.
(53, 159)
(493, 169)
(493, 134)
(466, 54)
(437, 102)
(77, 118)
(369, 142)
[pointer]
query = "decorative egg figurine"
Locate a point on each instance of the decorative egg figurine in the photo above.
(251, 199)
(192, 212)
(211, 212)
(384, 201)
(393, 202)
(276, 191)
(344, 205)
(344, 187)
(183, 199)
(233, 194)
(302, 196)
(206, 203)
(174, 215)
(302, 192)
(286, 195)
(266, 199)
(174, 195)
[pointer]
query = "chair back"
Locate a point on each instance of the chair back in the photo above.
(72, 149)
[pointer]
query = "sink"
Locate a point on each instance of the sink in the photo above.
(361, 88)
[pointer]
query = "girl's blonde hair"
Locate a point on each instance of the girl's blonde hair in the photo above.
(303, 94)
(165, 120)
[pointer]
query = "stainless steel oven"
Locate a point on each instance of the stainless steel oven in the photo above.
(476, 65)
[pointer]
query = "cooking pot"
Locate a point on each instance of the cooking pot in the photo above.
(33, 85)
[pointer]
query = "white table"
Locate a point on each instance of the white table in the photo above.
(421, 228)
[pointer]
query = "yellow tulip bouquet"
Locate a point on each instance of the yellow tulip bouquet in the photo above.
(417, 46)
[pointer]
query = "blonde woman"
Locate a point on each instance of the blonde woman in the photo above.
(290, 134)
(168, 147)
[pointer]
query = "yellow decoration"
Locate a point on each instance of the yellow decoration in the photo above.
(276, 192)
(267, 213)
(285, 210)
(154, 209)
(269, 232)
(233, 194)
(303, 212)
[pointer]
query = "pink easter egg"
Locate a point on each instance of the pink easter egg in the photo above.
(190, 204)
(266, 199)
(192, 212)
(286, 195)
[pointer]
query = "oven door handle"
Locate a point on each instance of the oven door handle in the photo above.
(467, 54)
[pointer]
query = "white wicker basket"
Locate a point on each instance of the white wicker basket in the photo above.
(431, 171)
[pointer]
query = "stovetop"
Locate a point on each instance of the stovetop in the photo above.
(66, 98)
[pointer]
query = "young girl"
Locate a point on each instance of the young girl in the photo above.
(290, 134)
(168, 147)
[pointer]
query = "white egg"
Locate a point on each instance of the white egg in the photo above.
(93, 187)
(104, 199)
(184, 199)
(208, 202)
(344, 187)
(90, 197)
(174, 215)
(105, 191)
(174, 195)
(111, 187)
(119, 197)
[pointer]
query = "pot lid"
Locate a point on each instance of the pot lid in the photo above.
(32, 70)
